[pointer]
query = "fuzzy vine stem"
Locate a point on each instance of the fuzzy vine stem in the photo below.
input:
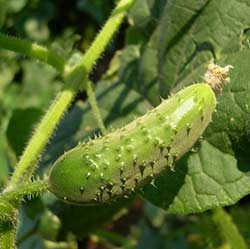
(28, 160)
(228, 229)
(74, 79)
(7, 236)
(33, 50)
(95, 108)
(98, 46)
(32, 188)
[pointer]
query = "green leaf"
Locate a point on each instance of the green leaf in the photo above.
(192, 32)
(185, 35)
(144, 13)
(97, 9)
(138, 70)
(18, 134)
(217, 174)
(39, 84)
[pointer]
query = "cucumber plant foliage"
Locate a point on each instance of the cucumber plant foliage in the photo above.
(138, 156)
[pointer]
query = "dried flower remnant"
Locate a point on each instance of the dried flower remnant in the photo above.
(217, 76)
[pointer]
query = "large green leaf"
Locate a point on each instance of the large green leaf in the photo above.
(217, 173)
(191, 32)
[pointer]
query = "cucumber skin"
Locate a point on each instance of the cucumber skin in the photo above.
(118, 163)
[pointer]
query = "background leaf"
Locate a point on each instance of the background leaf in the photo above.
(18, 135)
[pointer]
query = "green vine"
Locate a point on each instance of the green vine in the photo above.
(7, 236)
(95, 108)
(7, 212)
(33, 188)
(32, 50)
(103, 38)
(43, 132)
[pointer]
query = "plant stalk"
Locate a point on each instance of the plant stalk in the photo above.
(95, 108)
(32, 50)
(33, 188)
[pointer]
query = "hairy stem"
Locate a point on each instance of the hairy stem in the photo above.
(74, 79)
(95, 108)
(8, 212)
(228, 229)
(27, 189)
(103, 38)
(32, 50)
(43, 132)
(7, 236)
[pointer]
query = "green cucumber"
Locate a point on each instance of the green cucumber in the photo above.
(118, 163)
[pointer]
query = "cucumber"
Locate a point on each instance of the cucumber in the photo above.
(124, 160)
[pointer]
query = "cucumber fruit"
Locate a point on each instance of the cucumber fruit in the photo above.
(120, 162)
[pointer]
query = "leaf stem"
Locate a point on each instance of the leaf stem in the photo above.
(8, 212)
(228, 229)
(95, 108)
(7, 236)
(33, 188)
(32, 50)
